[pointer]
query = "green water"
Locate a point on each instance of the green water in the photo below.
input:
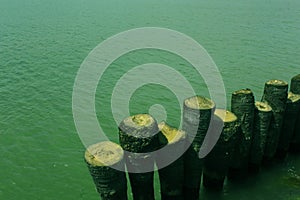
(42, 44)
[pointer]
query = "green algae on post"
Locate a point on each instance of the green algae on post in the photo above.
(216, 163)
(289, 123)
(275, 94)
(197, 114)
(242, 105)
(110, 182)
(262, 119)
(171, 177)
(138, 136)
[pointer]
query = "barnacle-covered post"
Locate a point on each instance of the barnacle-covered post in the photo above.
(242, 105)
(106, 166)
(216, 163)
(295, 88)
(275, 94)
(138, 136)
(197, 114)
(171, 175)
(289, 123)
(262, 119)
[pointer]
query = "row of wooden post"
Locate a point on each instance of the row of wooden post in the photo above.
(252, 133)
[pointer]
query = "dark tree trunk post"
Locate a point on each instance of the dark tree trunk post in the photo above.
(262, 119)
(171, 176)
(138, 136)
(242, 105)
(106, 166)
(197, 114)
(295, 84)
(275, 94)
(295, 144)
(216, 163)
(289, 123)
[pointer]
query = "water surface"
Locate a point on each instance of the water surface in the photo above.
(42, 44)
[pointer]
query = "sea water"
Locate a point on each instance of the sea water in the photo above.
(43, 43)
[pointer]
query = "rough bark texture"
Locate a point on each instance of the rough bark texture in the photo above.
(295, 88)
(242, 105)
(262, 120)
(295, 84)
(289, 123)
(275, 94)
(171, 175)
(216, 163)
(104, 161)
(139, 137)
(197, 113)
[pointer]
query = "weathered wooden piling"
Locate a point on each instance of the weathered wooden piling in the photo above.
(197, 114)
(275, 94)
(295, 88)
(171, 176)
(262, 119)
(289, 123)
(216, 163)
(106, 166)
(295, 143)
(138, 136)
(242, 105)
(295, 84)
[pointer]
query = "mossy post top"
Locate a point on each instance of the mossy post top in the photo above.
(293, 97)
(104, 154)
(277, 83)
(139, 121)
(263, 106)
(199, 103)
(242, 91)
(139, 126)
(241, 97)
(225, 115)
(173, 135)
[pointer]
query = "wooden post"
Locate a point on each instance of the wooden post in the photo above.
(289, 123)
(295, 84)
(275, 94)
(216, 163)
(295, 88)
(262, 119)
(106, 166)
(242, 105)
(171, 176)
(197, 113)
(138, 136)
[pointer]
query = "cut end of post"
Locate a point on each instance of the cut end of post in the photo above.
(225, 115)
(241, 98)
(263, 106)
(276, 82)
(140, 120)
(199, 103)
(140, 125)
(173, 135)
(139, 133)
(104, 154)
(293, 97)
(242, 91)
